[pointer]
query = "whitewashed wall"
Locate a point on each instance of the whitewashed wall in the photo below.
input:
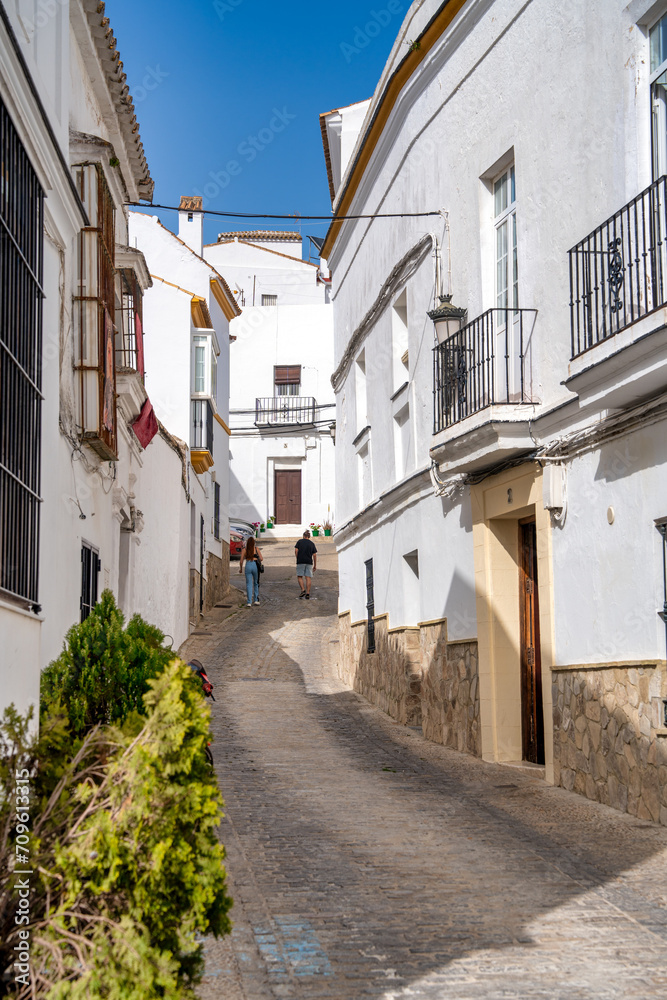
(472, 106)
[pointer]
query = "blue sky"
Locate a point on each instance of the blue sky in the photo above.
(242, 83)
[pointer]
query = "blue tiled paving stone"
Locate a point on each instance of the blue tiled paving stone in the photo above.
(437, 877)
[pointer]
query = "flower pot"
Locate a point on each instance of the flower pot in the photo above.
(269, 524)
(327, 532)
(316, 532)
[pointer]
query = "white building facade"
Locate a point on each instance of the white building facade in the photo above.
(189, 307)
(282, 406)
(500, 381)
(84, 503)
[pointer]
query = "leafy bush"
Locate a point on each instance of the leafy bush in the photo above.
(128, 868)
(103, 672)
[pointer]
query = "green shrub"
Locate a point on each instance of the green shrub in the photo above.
(103, 672)
(128, 868)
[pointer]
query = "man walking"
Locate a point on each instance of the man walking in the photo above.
(306, 563)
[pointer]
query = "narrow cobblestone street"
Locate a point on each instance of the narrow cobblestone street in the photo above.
(365, 861)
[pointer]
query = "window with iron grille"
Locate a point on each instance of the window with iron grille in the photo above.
(216, 510)
(269, 300)
(129, 326)
(21, 295)
(370, 607)
(90, 568)
(287, 380)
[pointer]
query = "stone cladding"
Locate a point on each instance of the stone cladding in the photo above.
(417, 677)
(609, 741)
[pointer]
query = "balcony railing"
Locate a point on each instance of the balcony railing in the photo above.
(617, 274)
(202, 426)
(285, 410)
(485, 363)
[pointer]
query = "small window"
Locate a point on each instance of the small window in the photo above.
(370, 607)
(200, 364)
(287, 380)
(269, 300)
(399, 336)
(90, 568)
(216, 511)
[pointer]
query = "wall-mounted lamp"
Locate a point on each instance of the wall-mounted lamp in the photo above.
(661, 525)
(448, 318)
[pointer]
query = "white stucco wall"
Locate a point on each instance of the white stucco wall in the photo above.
(282, 335)
(580, 153)
(253, 271)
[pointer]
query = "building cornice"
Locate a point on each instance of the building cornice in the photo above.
(399, 275)
(420, 48)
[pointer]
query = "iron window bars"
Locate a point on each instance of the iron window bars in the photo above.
(90, 568)
(482, 364)
(216, 511)
(129, 342)
(285, 410)
(95, 302)
(617, 273)
(370, 607)
(21, 298)
(202, 425)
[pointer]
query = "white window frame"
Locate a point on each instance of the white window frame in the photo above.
(504, 220)
(658, 107)
(204, 341)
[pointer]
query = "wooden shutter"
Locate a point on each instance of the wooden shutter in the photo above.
(287, 374)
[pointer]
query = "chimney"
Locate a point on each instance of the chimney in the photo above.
(191, 223)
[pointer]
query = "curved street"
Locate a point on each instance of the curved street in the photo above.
(366, 862)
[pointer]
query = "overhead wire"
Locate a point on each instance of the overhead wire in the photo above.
(293, 217)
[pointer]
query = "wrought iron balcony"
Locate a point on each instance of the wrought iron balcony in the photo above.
(272, 410)
(485, 363)
(617, 273)
(201, 438)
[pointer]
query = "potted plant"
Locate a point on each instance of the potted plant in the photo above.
(270, 521)
(328, 528)
(314, 529)
(256, 525)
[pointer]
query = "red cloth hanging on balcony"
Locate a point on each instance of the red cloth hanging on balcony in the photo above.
(146, 425)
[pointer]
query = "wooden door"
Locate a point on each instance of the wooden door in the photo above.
(532, 716)
(288, 496)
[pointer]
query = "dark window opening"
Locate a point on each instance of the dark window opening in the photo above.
(370, 607)
(90, 568)
(216, 510)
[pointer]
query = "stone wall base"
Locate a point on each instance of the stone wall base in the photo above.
(217, 577)
(417, 677)
(609, 744)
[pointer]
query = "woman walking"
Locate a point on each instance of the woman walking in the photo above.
(252, 557)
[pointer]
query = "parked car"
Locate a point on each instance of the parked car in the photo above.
(242, 527)
(236, 543)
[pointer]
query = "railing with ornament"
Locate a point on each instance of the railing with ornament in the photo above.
(618, 272)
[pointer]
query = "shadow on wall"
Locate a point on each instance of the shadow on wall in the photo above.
(610, 743)
(240, 504)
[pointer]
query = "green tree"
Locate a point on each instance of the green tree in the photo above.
(130, 867)
(102, 674)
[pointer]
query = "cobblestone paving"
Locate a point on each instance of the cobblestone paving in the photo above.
(367, 862)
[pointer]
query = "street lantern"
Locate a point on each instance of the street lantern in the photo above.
(448, 318)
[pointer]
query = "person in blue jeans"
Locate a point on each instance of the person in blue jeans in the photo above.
(251, 556)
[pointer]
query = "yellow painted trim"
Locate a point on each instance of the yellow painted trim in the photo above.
(619, 664)
(432, 621)
(201, 460)
(228, 305)
(171, 284)
(385, 614)
(222, 424)
(342, 614)
(201, 317)
(387, 103)
(403, 628)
